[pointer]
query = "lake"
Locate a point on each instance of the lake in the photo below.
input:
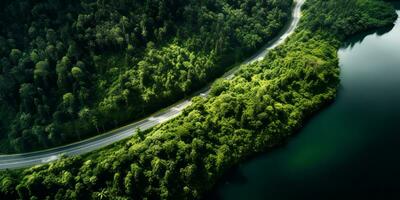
(350, 150)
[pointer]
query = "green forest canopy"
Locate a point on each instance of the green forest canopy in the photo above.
(72, 69)
(258, 109)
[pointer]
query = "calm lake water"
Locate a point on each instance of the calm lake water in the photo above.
(348, 151)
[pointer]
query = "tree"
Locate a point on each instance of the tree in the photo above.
(15, 55)
(68, 103)
(27, 92)
(41, 71)
(77, 73)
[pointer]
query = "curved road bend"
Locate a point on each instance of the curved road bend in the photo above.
(15, 161)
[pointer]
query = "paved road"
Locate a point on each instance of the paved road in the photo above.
(15, 161)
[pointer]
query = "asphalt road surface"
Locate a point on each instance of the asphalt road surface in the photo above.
(16, 161)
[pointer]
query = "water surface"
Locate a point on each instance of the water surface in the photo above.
(348, 151)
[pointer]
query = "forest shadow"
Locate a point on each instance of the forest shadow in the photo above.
(232, 176)
(359, 38)
(396, 5)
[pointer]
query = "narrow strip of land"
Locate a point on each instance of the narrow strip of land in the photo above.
(15, 161)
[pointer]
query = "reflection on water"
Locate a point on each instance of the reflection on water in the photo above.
(360, 37)
(349, 150)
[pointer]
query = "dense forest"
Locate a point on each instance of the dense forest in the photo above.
(73, 69)
(258, 109)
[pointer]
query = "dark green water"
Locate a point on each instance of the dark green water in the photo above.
(348, 151)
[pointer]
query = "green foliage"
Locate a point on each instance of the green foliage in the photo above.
(344, 21)
(121, 60)
(258, 109)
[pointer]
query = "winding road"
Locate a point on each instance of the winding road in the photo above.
(15, 161)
